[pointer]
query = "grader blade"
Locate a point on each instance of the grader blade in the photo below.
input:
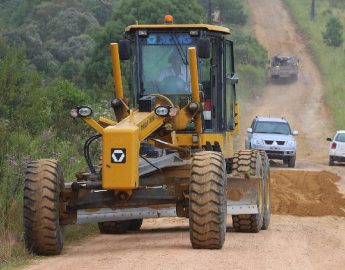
(107, 214)
(242, 198)
(243, 195)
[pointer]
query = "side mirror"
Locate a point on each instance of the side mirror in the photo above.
(295, 133)
(124, 49)
(249, 130)
(203, 48)
(329, 139)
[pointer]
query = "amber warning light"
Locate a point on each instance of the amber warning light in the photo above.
(168, 19)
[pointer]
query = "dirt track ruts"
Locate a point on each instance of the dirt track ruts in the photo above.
(291, 242)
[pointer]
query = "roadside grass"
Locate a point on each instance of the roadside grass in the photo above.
(330, 60)
(20, 148)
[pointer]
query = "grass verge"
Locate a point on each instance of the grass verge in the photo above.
(331, 60)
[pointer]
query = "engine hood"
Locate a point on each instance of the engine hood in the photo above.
(273, 137)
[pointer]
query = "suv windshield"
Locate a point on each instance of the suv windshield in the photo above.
(272, 127)
(165, 68)
(340, 137)
(282, 61)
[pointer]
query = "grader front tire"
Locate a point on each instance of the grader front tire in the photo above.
(207, 201)
(248, 163)
(42, 231)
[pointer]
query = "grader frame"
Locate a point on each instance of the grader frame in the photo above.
(159, 158)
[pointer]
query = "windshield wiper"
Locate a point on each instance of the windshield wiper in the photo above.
(180, 50)
(277, 133)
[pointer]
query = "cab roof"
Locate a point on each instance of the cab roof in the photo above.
(209, 27)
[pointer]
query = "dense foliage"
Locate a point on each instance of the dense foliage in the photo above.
(53, 56)
(333, 36)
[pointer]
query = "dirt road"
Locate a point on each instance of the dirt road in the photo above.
(313, 238)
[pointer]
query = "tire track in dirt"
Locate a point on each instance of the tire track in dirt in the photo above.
(300, 102)
(291, 242)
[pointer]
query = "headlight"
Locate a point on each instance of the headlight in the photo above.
(162, 111)
(166, 111)
(84, 111)
(290, 143)
(258, 142)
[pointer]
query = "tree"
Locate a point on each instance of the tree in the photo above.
(231, 11)
(333, 36)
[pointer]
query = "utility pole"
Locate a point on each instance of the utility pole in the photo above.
(209, 12)
(312, 9)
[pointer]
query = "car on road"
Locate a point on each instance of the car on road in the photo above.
(283, 67)
(337, 148)
(274, 136)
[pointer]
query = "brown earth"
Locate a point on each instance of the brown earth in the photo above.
(306, 193)
(307, 228)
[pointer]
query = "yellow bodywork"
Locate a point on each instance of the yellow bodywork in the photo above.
(120, 157)
(121, 141)
(121, 172)
(116, 70)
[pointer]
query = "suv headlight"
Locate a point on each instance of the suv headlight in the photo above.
(290, 143)
(258, 141)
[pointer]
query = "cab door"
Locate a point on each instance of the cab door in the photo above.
(229, 87)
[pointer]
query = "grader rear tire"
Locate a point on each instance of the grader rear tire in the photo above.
(135, 224)
(119, 227)
(42, 231)
(113, 227)
(267, 191)
(207, 201)
(248, 162)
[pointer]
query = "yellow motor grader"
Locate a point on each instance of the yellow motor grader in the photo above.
(168, 152)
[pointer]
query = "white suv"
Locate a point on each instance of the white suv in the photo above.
(274, 136)
(337, 148)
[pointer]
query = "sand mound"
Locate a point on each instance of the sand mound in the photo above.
(306, 193)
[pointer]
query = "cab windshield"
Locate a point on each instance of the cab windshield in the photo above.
(164, 65)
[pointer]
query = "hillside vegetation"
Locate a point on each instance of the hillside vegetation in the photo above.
(330, 59)
(55, 55)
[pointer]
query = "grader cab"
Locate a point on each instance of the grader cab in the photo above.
(168, 152)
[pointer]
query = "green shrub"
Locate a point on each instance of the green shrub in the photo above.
(333, 36)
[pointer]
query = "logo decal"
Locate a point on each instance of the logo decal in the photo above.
(118, 155)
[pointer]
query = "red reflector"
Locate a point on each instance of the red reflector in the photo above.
(334, 145)
(207, 105)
